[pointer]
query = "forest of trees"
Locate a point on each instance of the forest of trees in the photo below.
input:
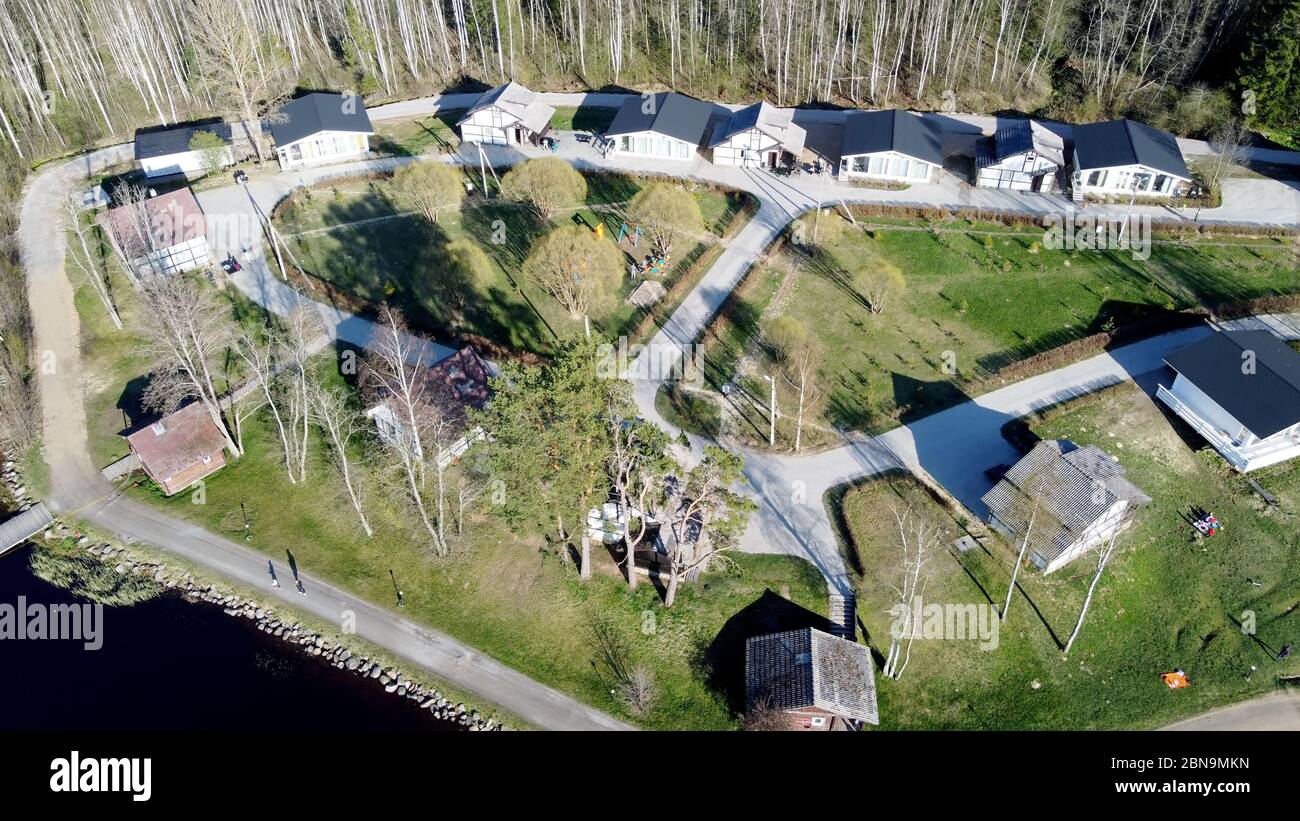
(74, 71)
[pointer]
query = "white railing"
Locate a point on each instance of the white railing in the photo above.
(1214, 436)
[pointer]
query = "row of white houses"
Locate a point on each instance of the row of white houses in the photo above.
(1108, 159)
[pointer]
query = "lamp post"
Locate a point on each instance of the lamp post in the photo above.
(771, 413)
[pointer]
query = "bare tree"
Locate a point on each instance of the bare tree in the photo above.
(332, 411)
(394, 373)
(188, 332)
(800, 356)
(916, 541)
(636, 464)
(260, 361)
(1229, 143)
(705, 500)
(236, 65)
(86, 261)
(1105, 552)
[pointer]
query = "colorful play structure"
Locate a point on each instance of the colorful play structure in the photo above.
(649, 265)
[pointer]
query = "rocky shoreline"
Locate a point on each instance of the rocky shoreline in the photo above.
(14, 487)
(289, 631)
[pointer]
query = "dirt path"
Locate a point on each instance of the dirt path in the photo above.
(74, 481)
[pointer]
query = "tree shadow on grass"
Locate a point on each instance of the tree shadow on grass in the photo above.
(722, 662)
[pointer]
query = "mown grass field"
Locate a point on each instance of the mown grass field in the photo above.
(1168, 600)
(984, 297)
(352, 236)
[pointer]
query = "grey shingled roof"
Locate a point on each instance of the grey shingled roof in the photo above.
(518, 102)
(1073, 485)
(869, 132)
(777, 123)
(163, 142)
(808, 668)
(672, 114)
(1266, 401)
(1125, 142)
(316, 112)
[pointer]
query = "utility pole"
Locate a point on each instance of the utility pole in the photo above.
(771, 413)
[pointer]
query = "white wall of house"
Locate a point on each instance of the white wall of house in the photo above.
(750, 148)
(1243, 449)
(1098, 532)
(889, 166)
(392, 430)
(1121, 179)
(492, 126)
(321, 148)
(184, 256)
(186, 162)
(653, 145)
(1018, 173)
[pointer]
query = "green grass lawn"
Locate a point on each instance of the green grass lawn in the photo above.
(500, 594)
(983, 301)
(407, 138)
(375, 254)
(586, 118)
(1167, 600)
(692, 411)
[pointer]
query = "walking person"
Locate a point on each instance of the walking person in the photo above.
(270, 568)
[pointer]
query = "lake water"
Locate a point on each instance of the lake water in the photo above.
(168, 664)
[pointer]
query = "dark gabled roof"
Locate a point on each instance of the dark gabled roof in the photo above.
(319, 111)
(1125, 142)
(1266, 401)
(808, 668)
(162, 142)
(869, 132)
(1019, 137)
(672, 114)
(1073, 486)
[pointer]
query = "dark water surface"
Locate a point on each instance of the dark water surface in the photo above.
(168, 664)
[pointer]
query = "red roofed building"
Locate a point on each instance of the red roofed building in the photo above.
(180, 448)
(165, 234)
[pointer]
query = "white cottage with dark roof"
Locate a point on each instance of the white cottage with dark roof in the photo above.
(1123, 157)
(1021, 156)
(1241, 391)
(666, 126)
(507, 115)
(812, 678)
(1076, 496)
(760, 136)
(319, 128)
(165, 151)
(892, 146)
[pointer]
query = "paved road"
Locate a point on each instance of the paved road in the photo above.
(457, 663)
(1276, 711)
(77, 488)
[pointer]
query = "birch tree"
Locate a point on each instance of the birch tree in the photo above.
(88, 262)
(332, 412)
(1105, 552)
(916, 543)
(394, 374)
(188, 332)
